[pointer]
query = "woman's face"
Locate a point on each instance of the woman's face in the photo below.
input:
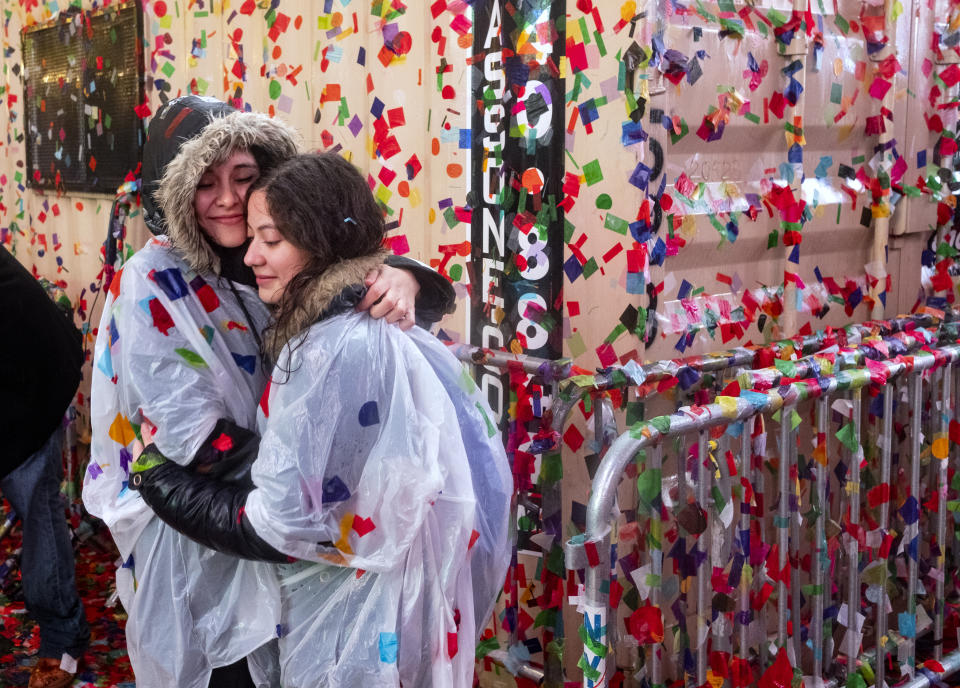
(220, 197)
(275, 261)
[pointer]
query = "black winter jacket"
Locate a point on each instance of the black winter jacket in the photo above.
(40, 360)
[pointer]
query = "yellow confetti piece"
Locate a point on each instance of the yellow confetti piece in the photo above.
(728, 406)
(346, 525)
(941, 447)
(820, 455)
(121, 431)
(628, 10)
(852, 488)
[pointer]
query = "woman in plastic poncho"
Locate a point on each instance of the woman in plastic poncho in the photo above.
(380, 479)
(178, 343)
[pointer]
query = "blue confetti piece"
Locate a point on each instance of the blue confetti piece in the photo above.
(171, 282)
(247, 363)
(684, 290)
(640, 176)
(795, 153)
(794, 256)
(573, 269)
(823, 167)
(377, 108)
(388, 648)
(636, 283)
(466, 140)
(907, 623)
(687, 377)
(334, 490)
(632, 132)
(114, 333)
(105, 364)
(910, 511)
(369, 414)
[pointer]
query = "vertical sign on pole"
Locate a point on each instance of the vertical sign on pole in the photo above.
(516, 180)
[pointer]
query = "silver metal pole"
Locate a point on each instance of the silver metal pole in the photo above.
(745, 454)
(942, 465)
(912, 530)
(821, 559)
(853, 547)
(886, 450)
(783, 515)
(703, 477)
(656, 566)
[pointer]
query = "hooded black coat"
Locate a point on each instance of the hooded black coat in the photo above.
(40, 359)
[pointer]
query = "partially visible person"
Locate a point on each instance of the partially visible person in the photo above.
(179, 343)
(40, 361)
(379, 469)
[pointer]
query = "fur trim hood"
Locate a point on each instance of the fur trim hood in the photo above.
(338, 288)
(222, 137)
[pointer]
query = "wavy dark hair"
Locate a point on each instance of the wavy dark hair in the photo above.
(321, 204)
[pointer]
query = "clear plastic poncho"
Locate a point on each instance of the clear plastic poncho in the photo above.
(175, 347)
(379, 462)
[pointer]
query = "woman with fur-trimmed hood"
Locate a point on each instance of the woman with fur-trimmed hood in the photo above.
(380, 485)
(179, 344)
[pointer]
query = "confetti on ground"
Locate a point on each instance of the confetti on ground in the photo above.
(105, 664)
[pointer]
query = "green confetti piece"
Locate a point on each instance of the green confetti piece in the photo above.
(787, 368)
(168, 69)
(588, 671)
(848, 437)
(604, 202)
(590, 267)
(855, 680)
(191, 358)
(491, 428)
(719, 502)
(661, 423)
(649, 483)
(615, 333)
(616, 224)
(795, 420)
(600, 43)
(597, 648)
(551, 468)
(485, 647)
(575, 345)
(684, 130)
(836, 93)
(592, 172)
(276, 88)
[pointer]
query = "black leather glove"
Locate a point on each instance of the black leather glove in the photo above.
(436, 297)
(228, 453)
(206, 510)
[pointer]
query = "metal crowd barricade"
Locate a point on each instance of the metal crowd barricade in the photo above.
(727, 549)
(864, 338)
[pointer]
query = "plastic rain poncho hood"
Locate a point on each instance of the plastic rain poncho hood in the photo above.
(175, 346)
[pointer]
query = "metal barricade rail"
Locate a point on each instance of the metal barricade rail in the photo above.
(902, 335)
(722, 556)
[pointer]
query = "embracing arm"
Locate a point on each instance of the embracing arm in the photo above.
(205, 509)
(435, 297)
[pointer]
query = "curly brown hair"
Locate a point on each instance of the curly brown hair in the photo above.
(321, 204)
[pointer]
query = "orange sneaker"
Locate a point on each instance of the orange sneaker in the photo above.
(48, 674)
